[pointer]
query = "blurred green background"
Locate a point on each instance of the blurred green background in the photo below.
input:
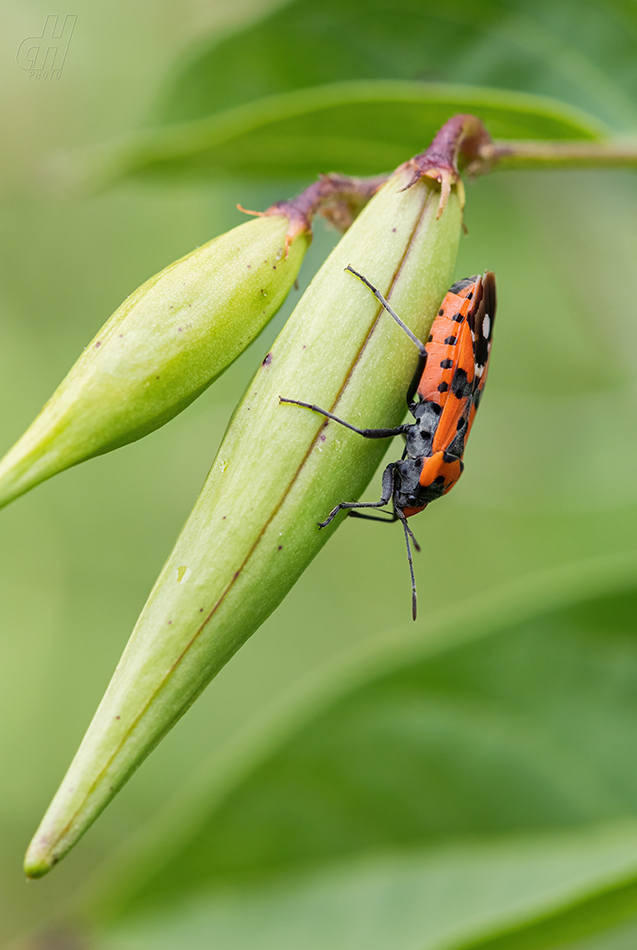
(347, 781)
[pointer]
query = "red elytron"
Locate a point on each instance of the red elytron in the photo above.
(443, 398)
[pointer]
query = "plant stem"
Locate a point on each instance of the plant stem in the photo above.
(539, 154)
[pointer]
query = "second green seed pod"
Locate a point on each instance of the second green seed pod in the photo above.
(165, 344)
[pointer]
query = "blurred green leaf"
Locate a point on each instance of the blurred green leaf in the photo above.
(426, 900)
(441, 789)
(359, 128)
(622, 937)
(376, 110)
(581, 51)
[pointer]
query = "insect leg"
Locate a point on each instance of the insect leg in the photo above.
(422, 351)
(366, 433)
(388, 491)
(360, 514)
(390, 520)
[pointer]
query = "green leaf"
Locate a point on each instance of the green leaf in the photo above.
(580, 51)
(359, 128)
(440, 790)
(428, 900)
(315, 87)
(622, 937)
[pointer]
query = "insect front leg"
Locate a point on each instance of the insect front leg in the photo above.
(388, 491)
(422, 350)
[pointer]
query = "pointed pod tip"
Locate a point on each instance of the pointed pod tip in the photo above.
(39, 859)
(36, 867)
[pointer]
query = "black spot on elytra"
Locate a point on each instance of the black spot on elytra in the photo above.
(458, 317)
(460, 385)
(446, 364)
(430, 338)
(440, 313)
(439, 480)
(481, 349)
(460, 285)
(443, 387)
(461, 423)
(451, 341)
(456, 449)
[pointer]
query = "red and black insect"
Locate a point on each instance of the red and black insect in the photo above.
(443, 397)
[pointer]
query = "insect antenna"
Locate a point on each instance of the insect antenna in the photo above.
(408, 534)
(411, 535)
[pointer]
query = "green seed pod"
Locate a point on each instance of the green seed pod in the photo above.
(278, 472)
(167, 342)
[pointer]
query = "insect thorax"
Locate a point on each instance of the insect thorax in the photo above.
(420, 434)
